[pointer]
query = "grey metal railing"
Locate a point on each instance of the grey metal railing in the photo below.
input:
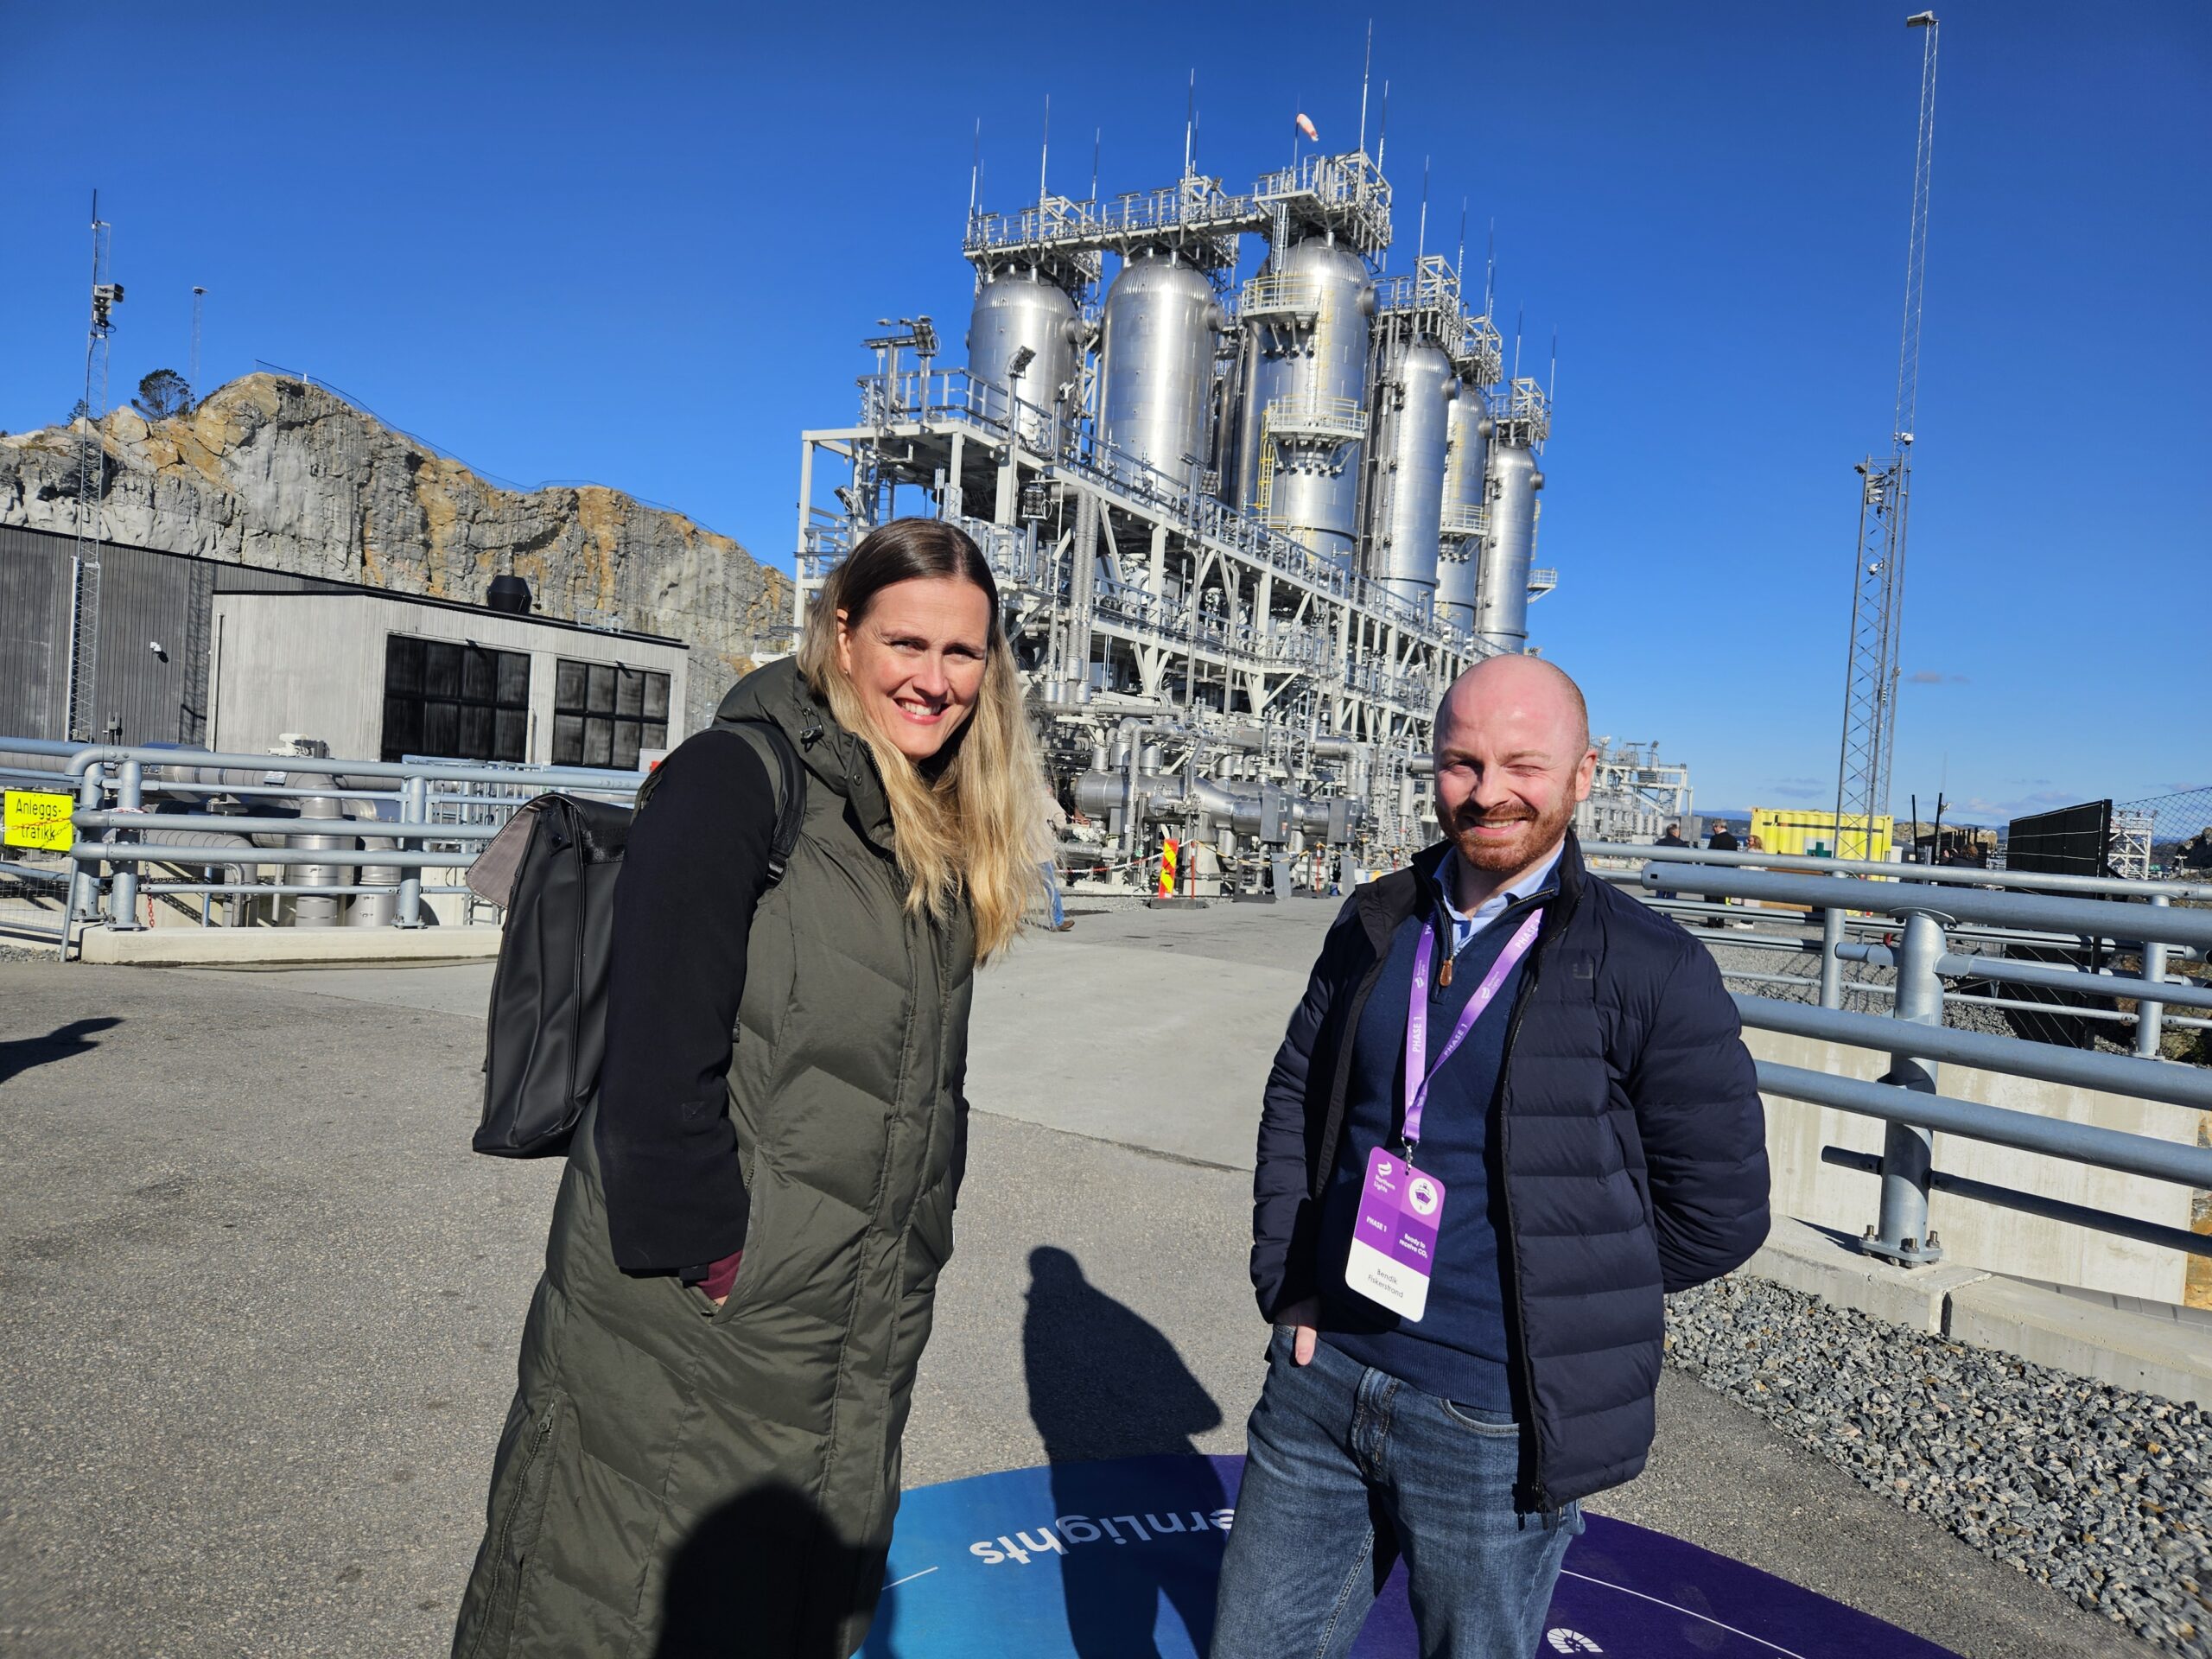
(435, 814)
(1917, 912)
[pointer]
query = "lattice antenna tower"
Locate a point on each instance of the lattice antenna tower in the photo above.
(91, 484)
(1878, 576)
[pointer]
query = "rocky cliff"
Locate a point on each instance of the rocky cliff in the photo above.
(274, 473)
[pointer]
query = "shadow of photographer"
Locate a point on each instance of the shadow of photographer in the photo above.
(1105, 1384)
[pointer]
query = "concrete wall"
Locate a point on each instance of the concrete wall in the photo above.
(1979, 1235)
(313, 663)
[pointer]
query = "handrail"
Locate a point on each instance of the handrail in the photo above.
(2096, 982)
(1939, 874)
(240, 823)
(2087, 917)
(2056, 1137)
(126, 841)
(83, 756)
(2118, 1074)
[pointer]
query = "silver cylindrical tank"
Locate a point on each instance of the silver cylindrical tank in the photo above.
(313, 910)
(1502, 586)
(1313, 350)
(376, 909)
(1156, 365)
(1466, 465)
(1415, 394)
(1016, 311)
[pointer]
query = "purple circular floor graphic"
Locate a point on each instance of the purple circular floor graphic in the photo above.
(1117, 1560)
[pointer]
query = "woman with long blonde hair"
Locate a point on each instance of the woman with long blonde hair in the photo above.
(702, 1455)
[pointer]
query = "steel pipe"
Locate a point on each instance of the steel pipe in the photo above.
(1936, 874)
(2094, 981)
(2150, 1011)
(193, 856)
(1908, 1148)
(2085, 917)
(262, 823)
(2032, 1203)
(330, 766)
(2054, 1137)
(2118, 1074)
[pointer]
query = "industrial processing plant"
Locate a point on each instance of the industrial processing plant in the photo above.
(1247, 527)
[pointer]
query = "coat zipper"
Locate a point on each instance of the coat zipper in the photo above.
(1504, 1161)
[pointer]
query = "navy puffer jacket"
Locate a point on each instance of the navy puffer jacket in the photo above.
(1633, 1143)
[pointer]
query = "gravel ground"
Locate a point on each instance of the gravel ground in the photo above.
(2112, 1506)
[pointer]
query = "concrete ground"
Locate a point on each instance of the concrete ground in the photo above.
(258, 1302)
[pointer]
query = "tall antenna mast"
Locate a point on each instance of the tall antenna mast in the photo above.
(1420, 244)
(199, 294)
(975, 169)
(1044, 153)
(1190, 124)
(1382, 128)
(91, 485)
(1366, 71)
(1862, 792)
(1489, 274)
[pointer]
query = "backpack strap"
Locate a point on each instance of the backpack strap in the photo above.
(786, 781)
(786, 776)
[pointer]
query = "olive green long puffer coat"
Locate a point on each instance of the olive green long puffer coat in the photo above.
(676, 1478)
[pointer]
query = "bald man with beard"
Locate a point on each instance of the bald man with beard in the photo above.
(1512, 1111)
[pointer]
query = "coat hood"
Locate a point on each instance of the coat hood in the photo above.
(838, 758)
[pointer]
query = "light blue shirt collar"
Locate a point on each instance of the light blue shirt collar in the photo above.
(1465, 927)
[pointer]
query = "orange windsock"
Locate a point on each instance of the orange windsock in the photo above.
(1305, 126)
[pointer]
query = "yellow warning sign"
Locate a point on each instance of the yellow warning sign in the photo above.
(1168, 850)
(35, 819)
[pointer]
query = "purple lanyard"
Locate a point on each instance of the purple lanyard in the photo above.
(1417, 1074)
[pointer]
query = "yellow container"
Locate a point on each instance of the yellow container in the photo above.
(1796, 830)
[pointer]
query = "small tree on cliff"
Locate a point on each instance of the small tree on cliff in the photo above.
(162, 395)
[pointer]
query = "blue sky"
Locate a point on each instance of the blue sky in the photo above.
(639, 244)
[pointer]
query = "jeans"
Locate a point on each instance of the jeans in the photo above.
(1051, 869)
(1345, 1469)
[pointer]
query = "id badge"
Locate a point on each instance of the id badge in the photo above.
(1393, 1236)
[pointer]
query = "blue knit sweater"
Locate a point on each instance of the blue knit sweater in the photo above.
(1458, 1349)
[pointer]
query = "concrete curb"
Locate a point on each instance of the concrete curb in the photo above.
(2132, 1350)
(236, 947)
(1806, 1259)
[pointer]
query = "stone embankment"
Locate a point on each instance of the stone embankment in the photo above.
(2103, 1493)
(278, 473)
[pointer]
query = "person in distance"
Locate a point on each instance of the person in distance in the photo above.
(1513, 1109)
(703, 1453)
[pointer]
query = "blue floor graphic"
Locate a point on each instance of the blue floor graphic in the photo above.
(1117, 1560)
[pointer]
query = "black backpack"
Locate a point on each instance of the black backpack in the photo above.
(553, 868)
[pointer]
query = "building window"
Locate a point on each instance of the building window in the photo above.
(603, 714)
(456, 701)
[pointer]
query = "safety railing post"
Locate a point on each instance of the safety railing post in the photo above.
(1832, 964)
(413, 808)
(85, 873)
(1907, 1151)
(123, 891)
(2150, 1017)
